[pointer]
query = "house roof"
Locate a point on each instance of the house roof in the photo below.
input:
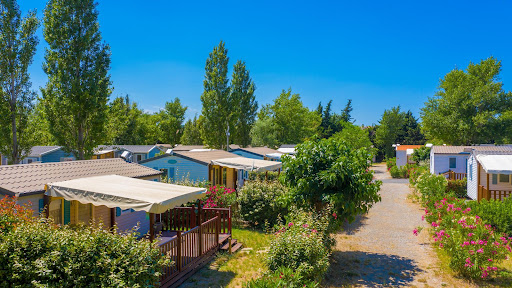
(288, 146)
(461, 149)
(405, 147)
(38, 151)
(205, 157)
(262, 151)
(248, 164)
(30, 179)
(496, 164)
(132, 148)
(180, 147)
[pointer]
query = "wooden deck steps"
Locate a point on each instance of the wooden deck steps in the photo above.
(235, 246)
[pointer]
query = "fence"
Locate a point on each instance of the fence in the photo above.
(455, 176)
(484, 193)
(186, 218)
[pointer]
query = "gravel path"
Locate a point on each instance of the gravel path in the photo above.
(379, 248)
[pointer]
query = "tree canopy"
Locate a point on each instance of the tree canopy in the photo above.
(470, 107)
(246, 106)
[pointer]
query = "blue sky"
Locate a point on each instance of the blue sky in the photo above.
(378, 53)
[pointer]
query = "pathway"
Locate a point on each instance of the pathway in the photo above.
(379, 248)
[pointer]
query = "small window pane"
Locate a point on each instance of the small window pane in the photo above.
(494, 179)
(453, 163)
(504, 178)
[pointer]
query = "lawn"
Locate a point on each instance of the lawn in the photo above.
(233, 270)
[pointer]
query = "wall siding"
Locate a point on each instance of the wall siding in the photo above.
(401, 158)
(55, 156)
(102, 215)
(441, 163)
(32, 201)
(183, 168)
(128, 221)
(472, 181)
(247, 154)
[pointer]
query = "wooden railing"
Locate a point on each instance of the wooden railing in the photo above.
(186, 218)
(189, 248)
(484, 193)
(455, 176)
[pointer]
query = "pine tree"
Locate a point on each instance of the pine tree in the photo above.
(245, 104)
(18, 43)
(217, 105)
(77, 63)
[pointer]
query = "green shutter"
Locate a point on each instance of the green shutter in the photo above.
(67, 211)
(41, 206)
(118, 211)
(494, 179)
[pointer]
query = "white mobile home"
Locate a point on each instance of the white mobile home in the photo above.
(489, 175)
(404, 153)
(455, 158)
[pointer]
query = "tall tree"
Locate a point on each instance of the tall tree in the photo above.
(389, 129)
(345, 114)
(470, 107)
(39, 127)
(192, 133)
(411, 132)
(245, 104)
(18, 43)
(217, 105)
(171, 122)
(123, 122)
(79, 86)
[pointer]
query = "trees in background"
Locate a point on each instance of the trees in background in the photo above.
(287, 120)
(124, 123)
(18, 45)
(470, 107)
(77, 63)
(217, 108)
(245, 104)
(192, 132)
(170, 122)
(354, 136)
(332, 123)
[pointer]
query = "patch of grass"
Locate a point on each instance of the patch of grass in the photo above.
(233, 270)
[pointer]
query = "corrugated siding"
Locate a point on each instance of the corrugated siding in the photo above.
(247, 155)
(102, 214)
(401, 158)
(183, 168)
(32, 201)
(472, 179)
(56, 156)
(442, 163)
(153, 152)
(128, 221)
(432, 162)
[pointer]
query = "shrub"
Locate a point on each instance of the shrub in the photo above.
(263, 202)
(303, 245)
(12, 214)
(39, 255)
(186, 181)
(432, 187)
(219, 197)
(457, 187)
(495, 212)
(415, 173)
(282, 278)
(390, 163)
(264, 176)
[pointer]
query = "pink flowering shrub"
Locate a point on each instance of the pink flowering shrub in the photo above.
(475, 248)
(219, 197)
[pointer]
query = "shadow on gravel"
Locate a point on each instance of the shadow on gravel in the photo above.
(354, 227)
(370, 270)
(395, 181)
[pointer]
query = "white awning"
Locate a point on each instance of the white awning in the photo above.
(276, 156)
(125, 193)
(287, 150)
(248, 164)
(496, 164)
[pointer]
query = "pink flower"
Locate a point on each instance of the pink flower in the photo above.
(415, 232)
(470, 234)
(484, 274)
(334, 215)
(480, 250)
(305, 225)
(434, 224)
(290, 224)
(490, 260)
(313, 231)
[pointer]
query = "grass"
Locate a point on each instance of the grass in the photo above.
(234, 270)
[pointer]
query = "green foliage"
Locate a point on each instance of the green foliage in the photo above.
(186, 181)
(192, 133)
(495, 212)
(328, 171)
(246, 106)
(354, 136)
(332, 123)
(416, 172)
(457, 187)
(39, 127)
(403, 171)
(219, 197)
(13, 214)
(286, 121)
(170, 122)
(390, 162)
(281, 278)
(432, 187)
(18, 45)
(470, 106)
(78, 88)
(421, 154)
(264, 176)
(216, 99)
(303, 245)
(263, 203)
(124, 122)
(41, 255)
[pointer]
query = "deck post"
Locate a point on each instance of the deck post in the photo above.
(46, 203)
(217, 229)
(151, 227)
(478, 180)
(178, 254)
(112, 219)
(200, 238)
(488, 196)
(229, 220)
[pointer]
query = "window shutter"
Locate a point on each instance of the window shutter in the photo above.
(494, 179)
(41, 206)
(118, 211)
(67, 211)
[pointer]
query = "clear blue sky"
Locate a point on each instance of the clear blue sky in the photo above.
(377, 53)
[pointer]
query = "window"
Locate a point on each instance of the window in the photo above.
(65, 159)
(453, 163)
(471, 172)
(504, 178)
(29, 161)
(224, 176)
(139, 158)
(494, 179)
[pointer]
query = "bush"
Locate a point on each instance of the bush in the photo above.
(219, 197)
(457, 187)
(262, 176)
(38, 254)
(282, 278)
(432, 187)
(495, 212)
(12, 214)
(303, 245)
(263, 202)
(415, 173)
(404, 171)
(391, 162)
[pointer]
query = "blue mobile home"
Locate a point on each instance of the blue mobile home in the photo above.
(261, 153)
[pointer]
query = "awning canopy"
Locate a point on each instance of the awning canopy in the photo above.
(248, 164)
(125, 193)
(496, 164)
(276, 156)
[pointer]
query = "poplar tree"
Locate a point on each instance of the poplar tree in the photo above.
(192, 133)
(170, 122)
(18, 43)
(245, 104)
(217, 108)
(77, 63)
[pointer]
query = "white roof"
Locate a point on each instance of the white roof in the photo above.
(125, 193)
(410, 151)
(274, 155)
(287, 150)
(496, 164)
(248, 164)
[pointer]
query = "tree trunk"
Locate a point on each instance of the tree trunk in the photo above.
(15, 158)
(81, 142)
